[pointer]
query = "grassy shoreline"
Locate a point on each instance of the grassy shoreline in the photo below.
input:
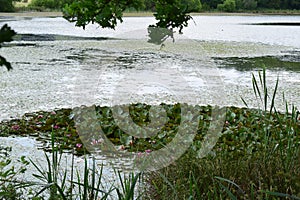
(150, 14)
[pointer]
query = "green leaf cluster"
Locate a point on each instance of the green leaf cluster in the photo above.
(6, 6)
(228, 6)
(6, 35)
(169, 14)
(172, 14)
(103, 12)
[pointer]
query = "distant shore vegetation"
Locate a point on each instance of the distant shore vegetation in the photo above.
(261, 6)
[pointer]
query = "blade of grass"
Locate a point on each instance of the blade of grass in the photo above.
(245, 103)
(121, 181)
(130, 193)
(72, 175)
(38, 168)
(274, 95)
(230, 182)
(191, 185)
(229, 193)
(47, 186)
(85, 179)
(60, 190)
(196, 188)
(93, 178)
(265, 89)
(255, 87)
(278, 194)
(79, 184)
(99, 180)
(49, 173)
(168, 183)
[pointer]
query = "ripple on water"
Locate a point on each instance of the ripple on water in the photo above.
(57, 74)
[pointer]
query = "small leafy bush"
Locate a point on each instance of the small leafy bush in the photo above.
(227, 6)
(6, 6)
(44, 4)
(48, 4)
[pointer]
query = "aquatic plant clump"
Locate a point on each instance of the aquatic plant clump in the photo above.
(239, 131)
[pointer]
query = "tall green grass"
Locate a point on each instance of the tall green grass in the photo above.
(257, 157)
(88, 185)
(10, 187)
(59, 182)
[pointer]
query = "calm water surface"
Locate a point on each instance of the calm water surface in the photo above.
(208, 28)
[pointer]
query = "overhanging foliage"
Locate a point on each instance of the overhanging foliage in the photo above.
(170, 14)
(6, 35)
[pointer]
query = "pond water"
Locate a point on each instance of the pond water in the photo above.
(57, 65)
(54, 69)
(208, 28)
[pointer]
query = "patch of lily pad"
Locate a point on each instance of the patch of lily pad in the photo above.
(239, 133)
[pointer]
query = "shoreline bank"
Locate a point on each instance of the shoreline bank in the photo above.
(145, 14)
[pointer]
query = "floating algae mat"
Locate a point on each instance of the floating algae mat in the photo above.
(289, 62)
